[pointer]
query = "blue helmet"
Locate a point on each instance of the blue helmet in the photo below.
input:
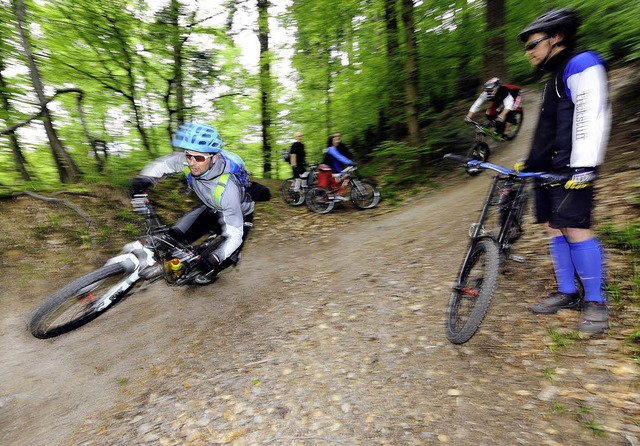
(197, 137)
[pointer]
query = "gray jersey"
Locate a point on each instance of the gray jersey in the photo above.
(234, 203)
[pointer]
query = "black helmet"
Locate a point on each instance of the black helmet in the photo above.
(562, 20)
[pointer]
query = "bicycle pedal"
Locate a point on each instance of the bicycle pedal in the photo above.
(517, 258)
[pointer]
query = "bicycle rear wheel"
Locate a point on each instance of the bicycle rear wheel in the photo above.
(319, 200)
(472, 294)
(364, 194)
(79, 302)
(515, 123)
(291, 196)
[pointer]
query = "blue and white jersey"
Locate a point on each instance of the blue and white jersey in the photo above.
(585, 78)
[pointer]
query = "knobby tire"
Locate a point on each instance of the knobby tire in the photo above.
(290, 196)
(76, 304)
(364, 194)
(472, 294)
(478, 151)
(319, 200)
(511, 134)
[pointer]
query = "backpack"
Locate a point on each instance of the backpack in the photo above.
(286, 155)
(256, 191)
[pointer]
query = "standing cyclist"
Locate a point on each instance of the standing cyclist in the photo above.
(297, 160)
(226, 208)
(505, 100)
(570, 140)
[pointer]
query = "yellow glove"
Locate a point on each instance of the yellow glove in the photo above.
(583, 177)
(519, 166)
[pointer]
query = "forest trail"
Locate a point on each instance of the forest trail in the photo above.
(320, 338)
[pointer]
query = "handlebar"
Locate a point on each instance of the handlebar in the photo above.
(549, 179)
(480, 126)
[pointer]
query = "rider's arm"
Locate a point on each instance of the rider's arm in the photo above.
(586, 81)
(339, 156)
(231, 220)
(159, 168)
(478, 103)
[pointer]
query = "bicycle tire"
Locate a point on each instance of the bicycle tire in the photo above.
(77, 303)
(515, 127)
(364, 194)
(472, 293)
(289, 195)
(478, 151)
(319, 200)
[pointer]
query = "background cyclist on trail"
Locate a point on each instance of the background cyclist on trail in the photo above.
(505, 100)
(334, 158)
(226, 208)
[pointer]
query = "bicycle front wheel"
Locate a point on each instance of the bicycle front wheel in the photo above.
(319, 200)
(364, 194)
(478, 151)
(288, 193)
(472, 294)
(79, 302)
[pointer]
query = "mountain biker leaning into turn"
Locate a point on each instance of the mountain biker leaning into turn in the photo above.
(226, 208)
(570, 140)
(505, 100)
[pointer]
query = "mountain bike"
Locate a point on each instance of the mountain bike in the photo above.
(156, 255)
(294, 192)
(479, 150)
(498, 227)
(337, 188)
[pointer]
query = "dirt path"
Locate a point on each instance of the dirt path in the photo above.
(320, 339)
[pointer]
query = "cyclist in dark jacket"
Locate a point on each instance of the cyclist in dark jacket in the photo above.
(570, 140)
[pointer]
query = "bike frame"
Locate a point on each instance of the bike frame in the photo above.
(503, 175)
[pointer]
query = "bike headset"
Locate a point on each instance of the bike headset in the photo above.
(199, 138)
(559, 21)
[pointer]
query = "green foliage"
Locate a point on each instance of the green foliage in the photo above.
(561, 340)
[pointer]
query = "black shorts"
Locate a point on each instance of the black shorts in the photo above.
(564, 208)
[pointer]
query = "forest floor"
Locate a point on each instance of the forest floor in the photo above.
(329, 332)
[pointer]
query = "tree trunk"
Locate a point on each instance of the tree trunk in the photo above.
(411, 74)
(392, 125)
(67, 169)
(494, 60)
(177, 63)
(18, 157)
(265, 84)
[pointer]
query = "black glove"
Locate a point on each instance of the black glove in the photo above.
(140, 204)
(141, 185)
(208, 262)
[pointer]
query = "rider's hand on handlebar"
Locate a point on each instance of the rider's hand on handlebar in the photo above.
(140, 204)
(467, 120)
(582, 177)
(519, 166)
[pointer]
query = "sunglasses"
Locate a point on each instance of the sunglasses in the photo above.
(534, 43)
(197, 158)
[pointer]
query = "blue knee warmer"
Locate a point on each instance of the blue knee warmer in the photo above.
(562, 264)
(587, 259)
